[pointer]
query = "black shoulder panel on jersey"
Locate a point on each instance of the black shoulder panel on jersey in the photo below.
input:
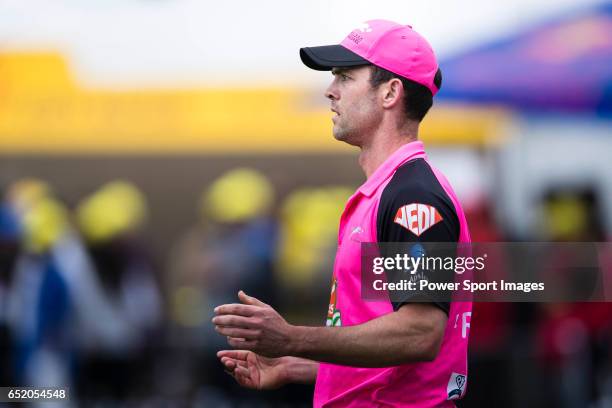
(415, 183)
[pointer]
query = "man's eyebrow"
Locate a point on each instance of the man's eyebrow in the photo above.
(337, 70)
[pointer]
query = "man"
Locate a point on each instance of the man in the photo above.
(396, 354)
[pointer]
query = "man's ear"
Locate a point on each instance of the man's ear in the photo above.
(393, 91)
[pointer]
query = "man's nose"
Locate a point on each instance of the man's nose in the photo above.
(331, 92)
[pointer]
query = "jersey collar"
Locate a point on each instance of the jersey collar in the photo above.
(409, 151)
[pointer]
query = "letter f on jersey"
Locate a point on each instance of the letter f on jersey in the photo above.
(417, 218)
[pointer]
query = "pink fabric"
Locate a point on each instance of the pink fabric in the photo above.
(412, 385)
(396, 48)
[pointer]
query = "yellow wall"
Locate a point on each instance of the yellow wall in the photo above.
(43, 110)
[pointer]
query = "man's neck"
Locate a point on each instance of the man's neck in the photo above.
(381, 147)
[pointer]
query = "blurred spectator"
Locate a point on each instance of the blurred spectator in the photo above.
(574, 339)
(309, 220)
(9, 247)
(39, 303)
(117, 364)
(231, 248)
(493, 330)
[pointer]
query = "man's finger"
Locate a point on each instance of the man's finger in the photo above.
(244, 377)
(250, 300)
(236, 309)
(235, 354)
(227, 360)
(243, 371)
(239, 372)
(237, 332)
(229, 363)
(233, 321)
(241, 343)
(234, 363)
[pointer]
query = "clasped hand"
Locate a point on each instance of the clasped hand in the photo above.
(254, 325)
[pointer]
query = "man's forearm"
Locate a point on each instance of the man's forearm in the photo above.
(382, 342)
(300, 370)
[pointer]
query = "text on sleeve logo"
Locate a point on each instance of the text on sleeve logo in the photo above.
(417, 218)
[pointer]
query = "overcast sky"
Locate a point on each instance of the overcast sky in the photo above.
(173, 43)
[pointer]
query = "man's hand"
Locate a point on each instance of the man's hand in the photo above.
(412, 334)
(254, 371)
(255, 326)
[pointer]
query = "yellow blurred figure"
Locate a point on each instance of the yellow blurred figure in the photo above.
(310, 231)
(44, 222)
(25, 192)
(237, 196)
(116, 208)
(566, 217)
(189, 306)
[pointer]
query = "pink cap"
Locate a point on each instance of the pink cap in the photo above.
(392, 46)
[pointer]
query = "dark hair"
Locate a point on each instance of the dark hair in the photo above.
(417, 98)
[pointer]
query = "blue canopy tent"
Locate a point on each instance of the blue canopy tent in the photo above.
(563, 65)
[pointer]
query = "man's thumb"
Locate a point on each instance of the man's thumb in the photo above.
(250, 300)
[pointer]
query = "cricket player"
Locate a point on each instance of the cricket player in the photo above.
(369, 354)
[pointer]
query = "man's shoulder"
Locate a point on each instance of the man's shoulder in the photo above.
(415, 179)
(413, 199)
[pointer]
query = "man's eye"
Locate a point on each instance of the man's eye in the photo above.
(344, 77)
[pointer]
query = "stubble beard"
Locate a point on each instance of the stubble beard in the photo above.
(353, 131)
(340, 131)
(345, 134)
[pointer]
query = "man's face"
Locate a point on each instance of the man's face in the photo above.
(357, 112)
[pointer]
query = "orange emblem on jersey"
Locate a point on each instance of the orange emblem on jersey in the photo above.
(333, 314)
(417, 218)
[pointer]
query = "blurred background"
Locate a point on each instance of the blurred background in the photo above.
(156, 156)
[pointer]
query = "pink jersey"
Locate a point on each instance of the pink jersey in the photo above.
(374, 214)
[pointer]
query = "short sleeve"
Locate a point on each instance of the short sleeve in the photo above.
(414, 208)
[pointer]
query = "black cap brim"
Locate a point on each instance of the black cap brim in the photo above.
(326, 57)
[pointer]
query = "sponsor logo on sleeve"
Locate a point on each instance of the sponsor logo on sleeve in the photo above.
(417, 218)
(456, 386)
